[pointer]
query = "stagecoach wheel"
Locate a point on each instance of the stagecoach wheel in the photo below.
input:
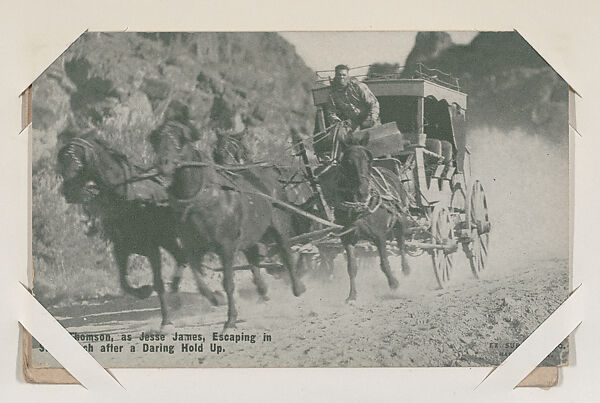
(442, 233)
(479, 225)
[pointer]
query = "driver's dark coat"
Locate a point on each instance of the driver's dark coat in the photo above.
(355, 102)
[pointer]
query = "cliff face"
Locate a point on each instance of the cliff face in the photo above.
(428, 45)
(120, 83)
(509, 85)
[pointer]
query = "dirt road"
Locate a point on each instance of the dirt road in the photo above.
(472, 323)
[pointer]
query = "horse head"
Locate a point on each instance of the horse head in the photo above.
(355, 167)
(230, 149)
(178, 161)
(75, 165)
(172, 144)
(89, 166)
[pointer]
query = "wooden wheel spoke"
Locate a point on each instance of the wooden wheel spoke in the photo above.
(483, 254)
(441, 234)
(484, 244)
(443, 268)
(477, 218)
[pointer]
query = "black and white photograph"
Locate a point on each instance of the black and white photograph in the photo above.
(300, 199)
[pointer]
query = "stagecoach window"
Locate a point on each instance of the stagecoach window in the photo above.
(401, 110)
(438, 121)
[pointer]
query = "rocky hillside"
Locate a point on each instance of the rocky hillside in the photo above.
(509, 85)
(120, 84)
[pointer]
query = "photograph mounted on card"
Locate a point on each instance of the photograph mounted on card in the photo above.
(392, 199)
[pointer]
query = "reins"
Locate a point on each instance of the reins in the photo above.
(217, 167)
(222, 170)
(188, 202)
(380, 193)
(230, 170)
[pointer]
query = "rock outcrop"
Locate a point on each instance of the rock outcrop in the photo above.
(509, 84)
(120, 84)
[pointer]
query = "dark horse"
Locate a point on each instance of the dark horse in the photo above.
(231, 150)
(371, 203)
(223, 213)
(102, 180)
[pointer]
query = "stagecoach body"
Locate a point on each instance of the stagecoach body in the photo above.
(422, 138)
(430, 125)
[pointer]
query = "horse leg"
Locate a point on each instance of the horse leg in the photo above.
(227, 256)
(303, 264)
(253, 258)
(159, 286)
(324, 265)
(122, 256)
(283, 245)
(215, 297)
(352, 270)
(384, 262)
(176, 279)
(399, 235)
(330, 266)
(179, 256)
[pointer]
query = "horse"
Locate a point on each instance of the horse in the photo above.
(104, 183)
(371, 205)
(223, 212)
(230, 149)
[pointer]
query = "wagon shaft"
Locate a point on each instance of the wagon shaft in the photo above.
(275, 267)
(449, 246)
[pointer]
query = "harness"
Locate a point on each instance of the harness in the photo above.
(224, 172)
(380, 193)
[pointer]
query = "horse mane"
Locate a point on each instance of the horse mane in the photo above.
(69, 137)
(184, 129)
(118, 156)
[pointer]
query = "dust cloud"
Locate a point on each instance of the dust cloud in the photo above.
(526, 179)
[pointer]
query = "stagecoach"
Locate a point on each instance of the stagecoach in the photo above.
(420, 147)
(422, 139)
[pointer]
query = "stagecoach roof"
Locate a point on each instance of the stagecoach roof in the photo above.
(403, 87)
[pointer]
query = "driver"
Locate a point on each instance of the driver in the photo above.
(351, 100)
